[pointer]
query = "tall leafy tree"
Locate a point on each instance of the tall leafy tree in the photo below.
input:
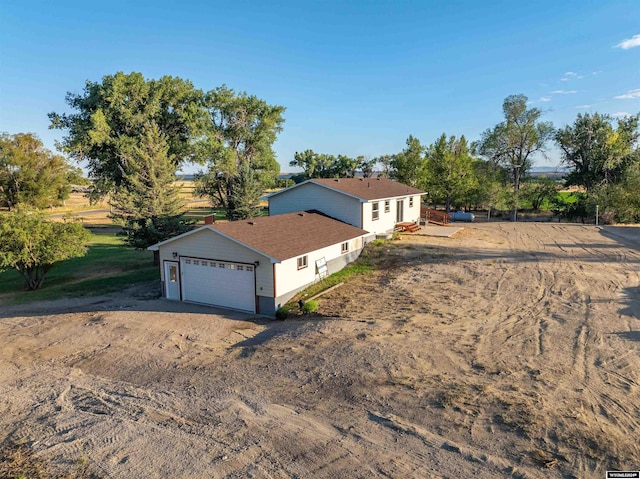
(109, 119)
(33, 246)
(385, 164)
(408, 165)
(242, 131)
(366, 166)
(450, 172)
(32, 175)
(596, 152)
(513, 142)
(147, 201)
(314, 165)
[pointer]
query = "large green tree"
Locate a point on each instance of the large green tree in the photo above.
(32, 175)
(320, 165)
(513, 142)
(314, 165)
(597, 152)
(449, 170)
(109, 118)
(408, 165)
(33, 246)
(147, 202)
(241, 134)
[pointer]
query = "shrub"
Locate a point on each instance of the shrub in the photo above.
(283, 312)
(310, 306)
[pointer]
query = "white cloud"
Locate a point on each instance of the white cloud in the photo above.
(620, 114)
(544, 98)
(563, 92)
(634, 41)
(580, 77)
(571, 74)
(584, 106)
(630, 94)
(564, 79)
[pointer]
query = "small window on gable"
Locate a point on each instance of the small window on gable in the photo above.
(411, 202)
(345, 247)
(387, 206)
(302, 262)
(375, 211)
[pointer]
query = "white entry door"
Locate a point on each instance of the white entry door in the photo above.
(220, 283)
(171, 280)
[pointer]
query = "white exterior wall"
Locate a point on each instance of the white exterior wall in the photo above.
(386, 221)
(209, 244)
(291, 279)
(412, 214)
(313, 197)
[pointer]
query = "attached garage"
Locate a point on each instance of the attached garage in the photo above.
(256, 265)
(235, 284)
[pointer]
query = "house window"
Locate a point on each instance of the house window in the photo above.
(411, 202)
(302, 262)
(345, 247)
(249, 268)
(187, 261)
(222, 265)
(387, 206)
(375, 211)
(196, 262)
(240, 267)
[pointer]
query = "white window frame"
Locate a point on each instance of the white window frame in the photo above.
(344, 247)
(411, 202)
(375, 211)
(387, 206)
(303, 262)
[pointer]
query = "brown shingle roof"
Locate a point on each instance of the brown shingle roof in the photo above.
(368, 188)
(289, 235)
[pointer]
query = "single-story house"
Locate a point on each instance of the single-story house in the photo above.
(256, 265)
(373, 204)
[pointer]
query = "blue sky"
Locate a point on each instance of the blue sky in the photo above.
(356, 77)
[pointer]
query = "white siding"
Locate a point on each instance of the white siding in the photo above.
(386, 222)
(412, 214)
(290, 278)
(313, 197)
(209, 244)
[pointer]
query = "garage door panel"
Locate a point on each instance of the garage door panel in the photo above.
(220, 283)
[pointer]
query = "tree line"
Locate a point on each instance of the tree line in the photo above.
(133, 135)
(600, 152)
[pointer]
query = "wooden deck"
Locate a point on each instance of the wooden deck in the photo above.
(434, 216)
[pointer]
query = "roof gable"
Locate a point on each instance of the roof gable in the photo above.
(364, 189)
(282, 237)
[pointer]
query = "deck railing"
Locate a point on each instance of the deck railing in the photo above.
(429, 215)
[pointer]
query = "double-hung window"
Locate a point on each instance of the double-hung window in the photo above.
(375, 211)
(303, 262)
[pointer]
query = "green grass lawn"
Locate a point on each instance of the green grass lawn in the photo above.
(108, 266)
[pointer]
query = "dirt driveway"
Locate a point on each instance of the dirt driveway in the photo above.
(505, 351)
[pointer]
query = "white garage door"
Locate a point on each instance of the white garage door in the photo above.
(221, 283)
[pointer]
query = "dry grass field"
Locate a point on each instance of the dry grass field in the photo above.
(509, 350)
